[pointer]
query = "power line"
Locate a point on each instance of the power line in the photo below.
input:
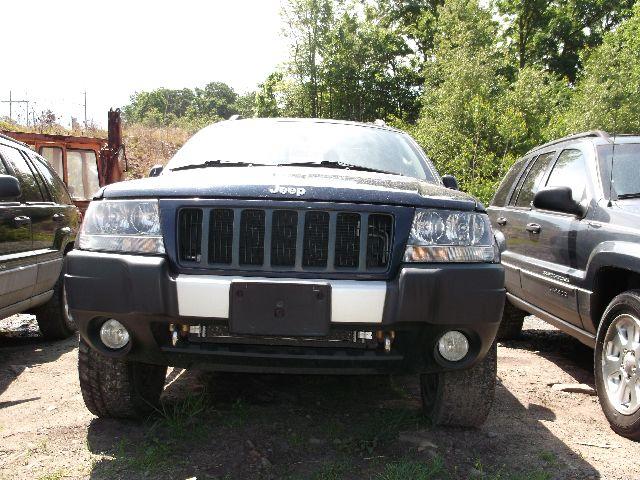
(11, 102)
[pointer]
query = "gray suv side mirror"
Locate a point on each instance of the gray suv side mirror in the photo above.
(558, 199)
(9, 187)
(450, 181)
(156, 170)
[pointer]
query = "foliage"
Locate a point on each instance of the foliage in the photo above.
(186, 107)
(608, 94)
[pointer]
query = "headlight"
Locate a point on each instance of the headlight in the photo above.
(122, 226)
(450, 236)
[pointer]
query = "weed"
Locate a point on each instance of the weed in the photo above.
(331, 471)
(405, 469)
(57, 475)
(549, 458)
(179, 418)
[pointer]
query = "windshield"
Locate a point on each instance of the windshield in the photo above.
(283, 142)
(626, 168)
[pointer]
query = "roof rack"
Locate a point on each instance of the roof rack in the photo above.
(7, 137)
(593, 133)
(380, 123)
(235, 117)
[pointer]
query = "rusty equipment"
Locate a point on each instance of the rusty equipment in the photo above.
(84, 163)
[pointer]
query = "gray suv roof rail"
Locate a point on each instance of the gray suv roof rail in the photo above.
(11, 139)
(593, 133)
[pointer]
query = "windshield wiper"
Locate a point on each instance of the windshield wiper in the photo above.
(335, 164)
(216, 163)
(629, 195)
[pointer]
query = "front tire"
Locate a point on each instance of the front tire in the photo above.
(117, 388)
(54, 319)
(617, 364)
(511, 323)
(461, 398)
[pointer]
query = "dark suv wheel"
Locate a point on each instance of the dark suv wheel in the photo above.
(117, 388)
(617, 364)
(54, 319)
(461, 398)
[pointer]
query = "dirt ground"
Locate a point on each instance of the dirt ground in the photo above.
(256, 426)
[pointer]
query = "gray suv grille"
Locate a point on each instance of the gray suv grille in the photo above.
(284, 239)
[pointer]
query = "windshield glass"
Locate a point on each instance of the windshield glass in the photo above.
(626, 168)
(283, 142)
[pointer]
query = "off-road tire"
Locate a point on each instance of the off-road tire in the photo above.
(53, 318)
(511, 323)
(625, 425)
(461, 398)
(117, 388)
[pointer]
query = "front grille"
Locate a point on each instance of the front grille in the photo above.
(285, 239)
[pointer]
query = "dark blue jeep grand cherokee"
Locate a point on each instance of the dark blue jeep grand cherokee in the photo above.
(302, 246)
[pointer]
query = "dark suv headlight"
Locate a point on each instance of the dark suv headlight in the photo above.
(128, 226)
(440, 236)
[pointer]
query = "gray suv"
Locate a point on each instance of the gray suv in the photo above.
(570, 213)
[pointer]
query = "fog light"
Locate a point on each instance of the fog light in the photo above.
(113, 334)
(453, 346)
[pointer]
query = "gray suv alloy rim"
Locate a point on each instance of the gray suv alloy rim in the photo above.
(620, 363)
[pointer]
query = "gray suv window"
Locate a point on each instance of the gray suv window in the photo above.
(570, 171)
(500, 198)
(532, 181)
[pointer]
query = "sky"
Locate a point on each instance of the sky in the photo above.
(111, 49)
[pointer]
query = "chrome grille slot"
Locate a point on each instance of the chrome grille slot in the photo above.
(190, 234)
(284, 239)
(221, 236)
(316, 239)
(252, 237)
(284, 234)
(347, 252)
(379, 240)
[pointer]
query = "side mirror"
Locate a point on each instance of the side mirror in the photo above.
(9, 187)
(450, 182)
(156, 170)
(558, 199)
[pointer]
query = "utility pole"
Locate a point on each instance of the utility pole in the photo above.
(85, 109)
(11, 101)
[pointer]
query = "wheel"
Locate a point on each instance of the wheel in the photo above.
(511, 324)
(118, 388)
(617, 364)
(461, 398)
(54, 319)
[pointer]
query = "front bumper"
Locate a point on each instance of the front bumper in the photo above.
(420, 304)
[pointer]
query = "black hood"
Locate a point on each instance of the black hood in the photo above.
(297, 183)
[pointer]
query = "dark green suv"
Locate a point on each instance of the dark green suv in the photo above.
(38, 225)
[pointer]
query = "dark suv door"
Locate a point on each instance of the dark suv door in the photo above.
(58, 218)
(18, 265)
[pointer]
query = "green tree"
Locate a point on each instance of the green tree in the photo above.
(459, 122)
(608, 93)
(553, 33)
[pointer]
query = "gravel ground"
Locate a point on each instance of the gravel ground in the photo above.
(256, 426)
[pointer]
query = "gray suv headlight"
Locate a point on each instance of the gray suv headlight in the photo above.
(131, 226)
(450, 236)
